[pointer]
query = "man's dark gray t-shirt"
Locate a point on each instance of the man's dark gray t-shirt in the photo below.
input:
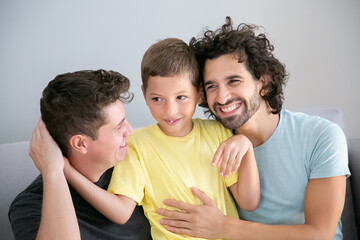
(25, 215)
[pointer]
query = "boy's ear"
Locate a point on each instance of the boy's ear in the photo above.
(79, 143)
(265, 81)
(200, 95)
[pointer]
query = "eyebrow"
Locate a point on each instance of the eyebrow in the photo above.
(161, 95)
(226, 78)
(233, 76)
(119, 124)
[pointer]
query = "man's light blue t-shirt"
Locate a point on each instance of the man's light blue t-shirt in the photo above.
(302, 147)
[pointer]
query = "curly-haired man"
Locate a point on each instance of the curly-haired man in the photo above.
(302, 160)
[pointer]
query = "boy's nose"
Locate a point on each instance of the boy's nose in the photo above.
(171, 108)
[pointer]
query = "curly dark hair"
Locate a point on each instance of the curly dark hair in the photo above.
(72, 103)
(254, 50)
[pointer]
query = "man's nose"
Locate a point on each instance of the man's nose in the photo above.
(129, 129)
(223, 95)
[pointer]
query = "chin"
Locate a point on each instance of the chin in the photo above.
(121, 157)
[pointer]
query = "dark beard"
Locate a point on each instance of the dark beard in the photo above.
(234, 122)
(238, 121)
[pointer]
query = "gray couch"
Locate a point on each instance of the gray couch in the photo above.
(18, 171)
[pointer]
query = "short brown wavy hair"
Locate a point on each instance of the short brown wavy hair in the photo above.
(254, 50)
(72, 103)
(169, 57)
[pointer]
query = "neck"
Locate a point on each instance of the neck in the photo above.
(261, 126)
(89, 171)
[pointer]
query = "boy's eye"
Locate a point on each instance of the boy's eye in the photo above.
(156, 99)
(182, 97)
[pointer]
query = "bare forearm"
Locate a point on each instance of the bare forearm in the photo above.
(247, 189)
(239, 229)
(58, 219)
(117, 209)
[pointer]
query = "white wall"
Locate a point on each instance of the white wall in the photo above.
(318, 40)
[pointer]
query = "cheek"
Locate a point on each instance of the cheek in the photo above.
(210, 98)
(155, 111)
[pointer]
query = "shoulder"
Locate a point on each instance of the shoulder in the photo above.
(212, 128)
(25, 211)
(313, 131)
(207, 123)
(33, 193)
(310, 124)
(141, 133)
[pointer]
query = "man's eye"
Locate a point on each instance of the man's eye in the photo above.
(210, 87)
(233, 81)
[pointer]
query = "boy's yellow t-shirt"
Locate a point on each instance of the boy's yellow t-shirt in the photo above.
(159, 167)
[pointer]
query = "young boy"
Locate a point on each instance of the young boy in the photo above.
(167, 159)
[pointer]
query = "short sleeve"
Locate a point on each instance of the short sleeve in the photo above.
(231, 179)
(128, 178)
(329, 157)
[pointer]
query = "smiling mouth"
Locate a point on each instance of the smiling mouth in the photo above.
(172, 122)
(123, 145)
(230, 108)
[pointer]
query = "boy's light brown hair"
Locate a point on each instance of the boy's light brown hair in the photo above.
(167, 58)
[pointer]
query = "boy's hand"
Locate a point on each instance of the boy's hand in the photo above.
(44, 151)
(230, 153)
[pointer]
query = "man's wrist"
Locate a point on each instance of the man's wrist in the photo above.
(52, 174)
(233, 227)
(228, 224)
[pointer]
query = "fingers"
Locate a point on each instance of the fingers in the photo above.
(174, 220)
(227, 166)
(202, 196)
(230, 154)
(228, 157)
(175, 223)
(183, 231)
(173, 214)
(176, 226)
(34, 136)
(217, 156)
(237, 162)
(178, 204)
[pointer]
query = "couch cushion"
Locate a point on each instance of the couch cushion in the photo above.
(354, 163)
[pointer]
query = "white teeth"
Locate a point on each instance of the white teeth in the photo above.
(229, 109)
(123, 145)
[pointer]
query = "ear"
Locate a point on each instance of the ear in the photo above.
(79, 143)
(265, 81)
(200, 95)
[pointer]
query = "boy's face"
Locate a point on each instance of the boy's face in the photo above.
(233, 95)
(172, 102)
(110, 146)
